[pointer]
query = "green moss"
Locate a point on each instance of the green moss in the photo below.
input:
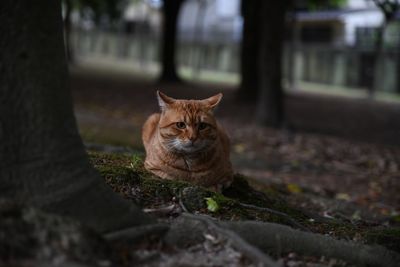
(388, 237)
(126, 175)
(117, 136)
(241, 191)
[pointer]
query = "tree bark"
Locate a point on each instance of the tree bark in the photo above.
(280, 239)
(270, 96)
(170, 12)
(249, 85)
(42, 158)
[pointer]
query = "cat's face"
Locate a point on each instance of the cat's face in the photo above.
(187, 126)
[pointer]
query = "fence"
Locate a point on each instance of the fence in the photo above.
(339, 66)
(344, 66)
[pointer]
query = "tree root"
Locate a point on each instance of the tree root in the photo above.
(162, 211)
(277, 238)
(278, 213)
(138, 233)
(191, 228)
(252, 238)
(181, 204)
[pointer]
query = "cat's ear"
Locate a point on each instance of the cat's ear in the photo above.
(213, 101)
(164, 101)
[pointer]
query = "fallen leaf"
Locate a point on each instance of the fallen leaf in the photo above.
(212, 205)
(239, 148)
(342, 196)
(294, 188)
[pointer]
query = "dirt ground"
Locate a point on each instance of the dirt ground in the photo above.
(361, 176)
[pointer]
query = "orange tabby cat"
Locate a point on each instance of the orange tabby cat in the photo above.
(185, 142)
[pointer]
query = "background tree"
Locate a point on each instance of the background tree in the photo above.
(270, 96)
(248, 89)
(42, 159)
(112, 11)
(109, 9)
(261, 54)
(389, 9)
(261, 57)
(170, 11)
(68, 5)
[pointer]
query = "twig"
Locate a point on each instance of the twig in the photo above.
(162, 210)
(181, 203)
(287, 217)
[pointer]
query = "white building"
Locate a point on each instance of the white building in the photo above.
(213, 20)
(210, 19)
(205, 19)
(338, 26)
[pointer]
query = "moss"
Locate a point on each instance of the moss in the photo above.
(101, 159)
(126, 174)
(110, 135)
(388, 237)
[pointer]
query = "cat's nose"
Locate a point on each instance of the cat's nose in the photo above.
(191, 142)
(192, 138)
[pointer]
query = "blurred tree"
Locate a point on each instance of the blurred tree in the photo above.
(261, 54)
(321, 4)
(270, 94)
(42, 158)
(110, 9)
(248, 90)
(170, 10)
(67, 30)
(389, 8)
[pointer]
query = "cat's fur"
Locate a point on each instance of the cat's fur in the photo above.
(185, 142)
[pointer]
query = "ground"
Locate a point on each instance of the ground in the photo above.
(338, 187)
(347, 178)
(30, 237)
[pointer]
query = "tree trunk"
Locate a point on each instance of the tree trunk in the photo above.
(198, 41)
(378, 60)
(67, 31)
(293, 48)
(248, 90)
(42, 159)
(270, 96)
(169, 35)
(389, 10)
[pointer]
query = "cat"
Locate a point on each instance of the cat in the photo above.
(185, 142)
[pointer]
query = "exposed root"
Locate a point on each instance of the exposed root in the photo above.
(162, 211)
(282, 214)
(138, 233)
(191, 228)
(277, 238)
(181, 204)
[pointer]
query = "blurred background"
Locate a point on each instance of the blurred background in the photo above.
(311, 88)
(328, 48)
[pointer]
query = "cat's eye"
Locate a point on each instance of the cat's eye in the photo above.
(181, 125)
(202, 125)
